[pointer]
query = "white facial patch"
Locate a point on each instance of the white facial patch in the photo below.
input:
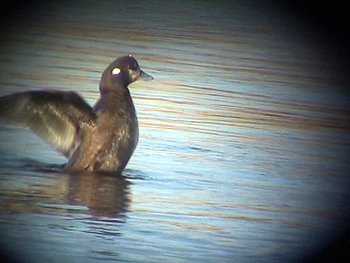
(116, 71)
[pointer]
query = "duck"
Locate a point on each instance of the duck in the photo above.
(101, 138)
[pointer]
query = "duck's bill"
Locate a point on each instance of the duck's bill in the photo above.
(144, 76)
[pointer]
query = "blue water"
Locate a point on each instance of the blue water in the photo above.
(243, 150)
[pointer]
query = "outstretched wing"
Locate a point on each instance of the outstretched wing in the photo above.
(55, 116)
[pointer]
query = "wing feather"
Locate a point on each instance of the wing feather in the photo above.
(55, 116)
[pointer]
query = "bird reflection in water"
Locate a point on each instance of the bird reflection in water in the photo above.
(103, 194)
(46, 188)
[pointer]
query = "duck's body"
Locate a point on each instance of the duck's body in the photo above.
(101, 138)
(109, 144)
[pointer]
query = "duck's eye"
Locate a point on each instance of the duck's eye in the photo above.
(116, 71)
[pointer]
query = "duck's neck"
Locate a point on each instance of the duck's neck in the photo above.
(113, 101)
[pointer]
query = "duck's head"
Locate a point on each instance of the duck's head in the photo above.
(121, 72)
